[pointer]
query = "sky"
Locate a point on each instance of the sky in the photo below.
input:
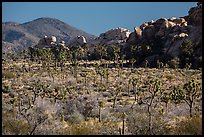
(95, 17)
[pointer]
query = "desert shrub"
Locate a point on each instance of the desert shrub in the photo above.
(137, 124)
(15, 127)
(170, 77)
(75, 117)
(109, 128)
(82, 105)
(90, 127)
(189, 126)
(83, 129)
(174, 63)
(8, 74)
(12, 126)
(7, 89)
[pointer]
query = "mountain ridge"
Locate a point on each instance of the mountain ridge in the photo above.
(22, 35)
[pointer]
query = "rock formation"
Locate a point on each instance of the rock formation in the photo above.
(50, 42)
(77, 41)
(115, 36)
(169, 34)
(47, 42)
(135, 36)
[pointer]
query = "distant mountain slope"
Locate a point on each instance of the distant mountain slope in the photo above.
(17, 36)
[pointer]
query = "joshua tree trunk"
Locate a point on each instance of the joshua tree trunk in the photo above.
(75, 71)
(190, 110)
(99, 118)
(101, 78)
(114, 102)
(107, 79)
(118, 71)
(135, 91)
(123, 129)
(150, 121)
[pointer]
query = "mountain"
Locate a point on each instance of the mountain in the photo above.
(17, 36)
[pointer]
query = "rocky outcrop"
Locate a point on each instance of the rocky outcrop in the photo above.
(149, 32)
(114, 36)
(190, 29)
(195, 15)
(135, 36)
(62, 43)
(169, 34)
(77, 41)
(50, 42)
(46, 42)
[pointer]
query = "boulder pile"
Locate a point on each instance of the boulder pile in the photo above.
(49, 42)
(170, 33)
(115, 36)
(76, 41)
(46, 42)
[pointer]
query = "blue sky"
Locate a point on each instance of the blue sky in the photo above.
(95, 17)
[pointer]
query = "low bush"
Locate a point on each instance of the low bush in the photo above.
(189, 126)
(8, 74)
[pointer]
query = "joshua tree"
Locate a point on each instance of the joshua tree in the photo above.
(117, 92)
(107, 73)
(176, 95)
(188, 66)
(101, 72)
(190, 92)
(123, 57)
(153, 95)
(134, 83)
(20, 101)
(75, 63)
(122, 131)
(118, 68)
(102, 51)
(146, 63)
(35, 54)
(159, 64)
(14, 102)
(133, 60)
(129, 82)
(100, 105)
(165, 97)
(123, 128)
(113, 53)
(85, 74)
(86, 53)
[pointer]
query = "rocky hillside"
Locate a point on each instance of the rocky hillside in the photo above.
(173, 40)
(18, 36)
(176, 37)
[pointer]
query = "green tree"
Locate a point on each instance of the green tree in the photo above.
(187, 51)
(192, 91)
